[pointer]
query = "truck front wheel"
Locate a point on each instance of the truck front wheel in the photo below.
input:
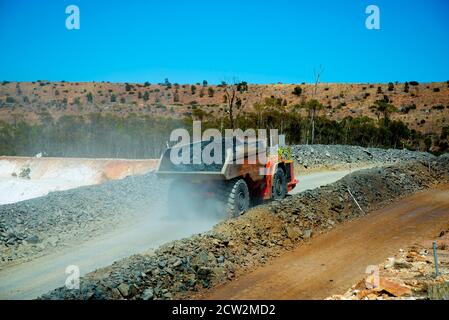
(279, 188)
(237, 198)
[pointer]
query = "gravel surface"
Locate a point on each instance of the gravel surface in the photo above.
(181, 268)
(310, 156)
(33, 227)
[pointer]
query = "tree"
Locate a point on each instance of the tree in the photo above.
(199, 114)
(242, 86)
(297, 91)
(390, 86)
(204, 83)
(176, 96)
(314, 105)
(10, 99)
(384, 107)
(232, 92)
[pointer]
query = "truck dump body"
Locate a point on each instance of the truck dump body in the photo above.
(236, 158)
(231, 175)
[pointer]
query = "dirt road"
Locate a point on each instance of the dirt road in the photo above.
(333, 261)
(318, 179)
(31, 279)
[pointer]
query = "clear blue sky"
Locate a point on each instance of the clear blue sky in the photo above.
(258, 41)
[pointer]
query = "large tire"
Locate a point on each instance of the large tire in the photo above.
(279, 186)
(236, 198)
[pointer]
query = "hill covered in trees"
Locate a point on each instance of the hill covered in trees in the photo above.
(134, 120)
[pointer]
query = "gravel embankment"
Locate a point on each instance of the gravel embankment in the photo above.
(33, 227)
(181, 268)
(312, 156)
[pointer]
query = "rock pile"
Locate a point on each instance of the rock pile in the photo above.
(409, 275)
(310, 156)
(34, 226)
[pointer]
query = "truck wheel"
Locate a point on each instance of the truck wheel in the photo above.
(237, 200)
(279, 188)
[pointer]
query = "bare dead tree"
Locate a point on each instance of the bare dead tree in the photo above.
(314, 106)
(232, 92)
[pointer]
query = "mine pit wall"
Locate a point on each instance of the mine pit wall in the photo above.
(180, 268)
(102, 169)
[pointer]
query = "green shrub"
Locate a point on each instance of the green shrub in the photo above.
(297, 91)
(90, 97)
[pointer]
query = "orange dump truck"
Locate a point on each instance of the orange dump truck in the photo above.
(247, 176)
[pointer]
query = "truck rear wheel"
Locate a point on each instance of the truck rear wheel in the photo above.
(236, 198)
(279, 188)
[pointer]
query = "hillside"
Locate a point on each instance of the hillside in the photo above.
(425, 107)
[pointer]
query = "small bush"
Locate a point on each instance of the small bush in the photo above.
(90, 97)
(407, 108)
(439, 107)
(25, 173)
(297, 91)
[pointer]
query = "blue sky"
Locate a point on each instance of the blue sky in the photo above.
(258, 41)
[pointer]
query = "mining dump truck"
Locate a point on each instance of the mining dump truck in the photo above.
(227, 188)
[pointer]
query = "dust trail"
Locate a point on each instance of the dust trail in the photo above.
(145, 224)
(150, 229)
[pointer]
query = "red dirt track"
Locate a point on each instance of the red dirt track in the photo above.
(331, 262)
